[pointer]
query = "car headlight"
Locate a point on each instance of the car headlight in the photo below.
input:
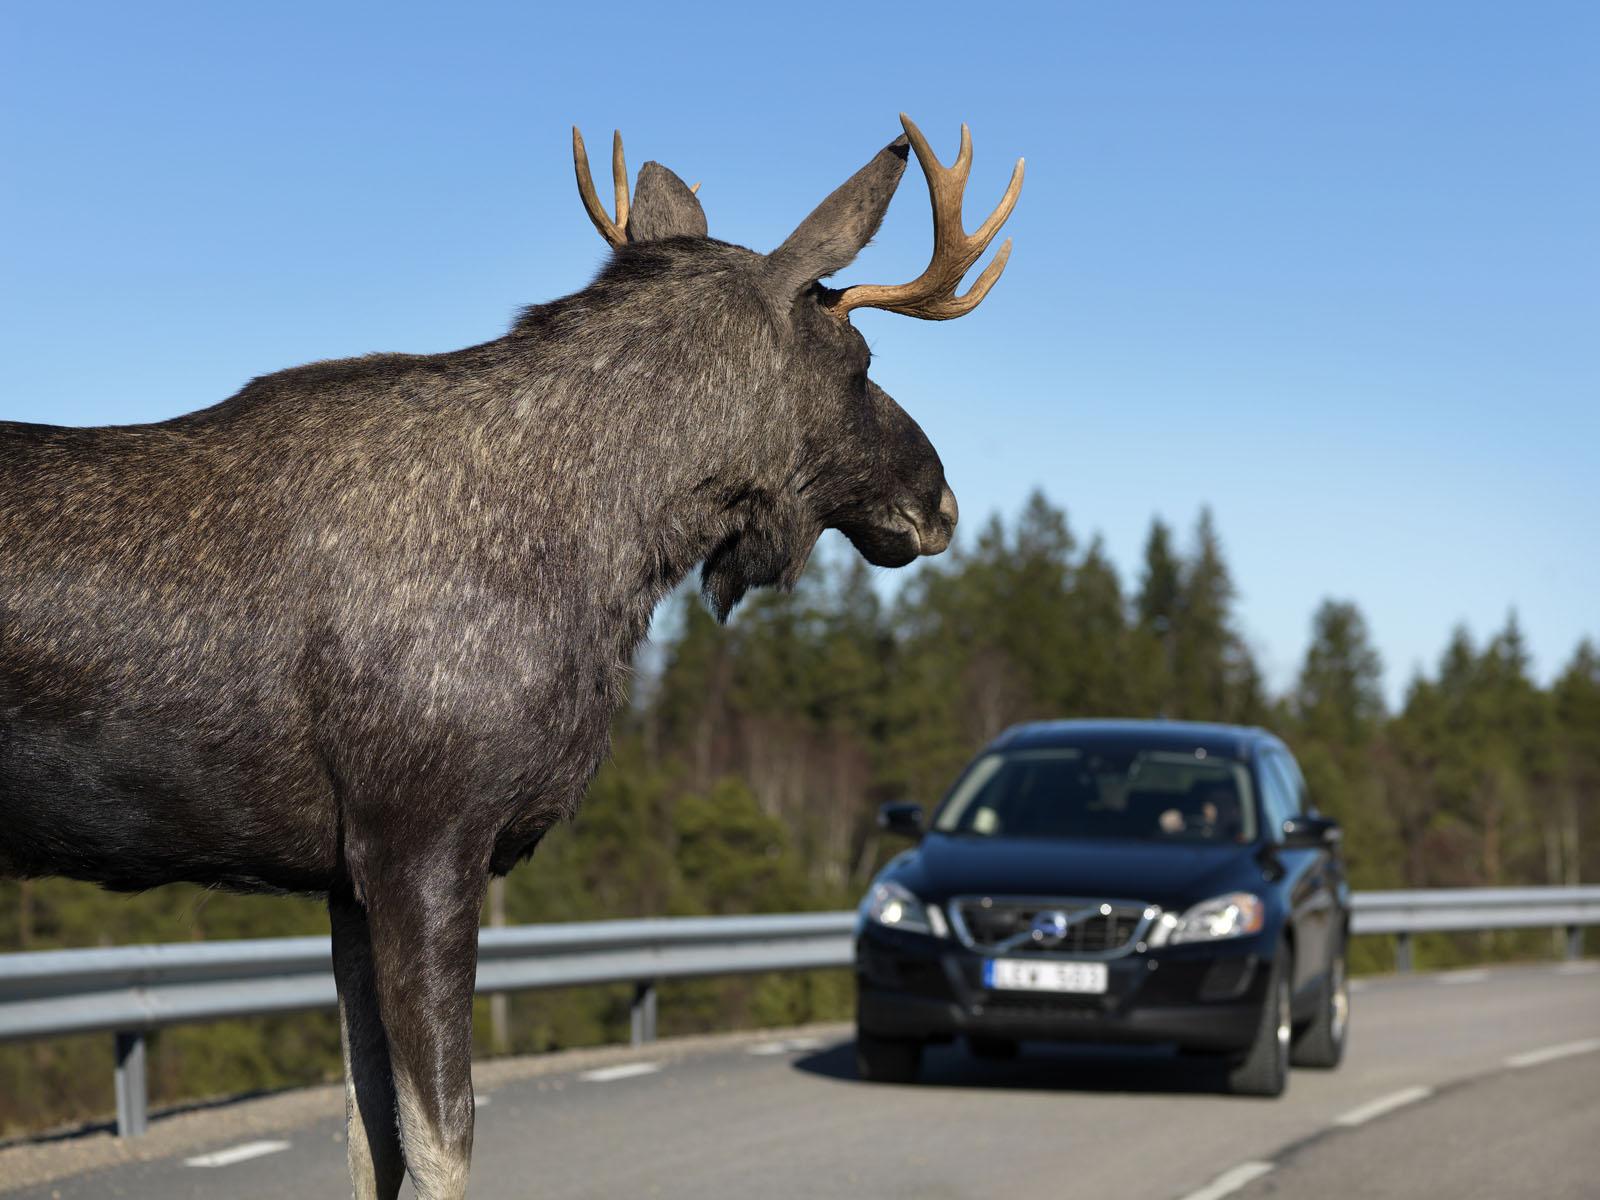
(892, 905)
(1238, 914)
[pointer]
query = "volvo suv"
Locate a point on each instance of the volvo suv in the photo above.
(1112, 881)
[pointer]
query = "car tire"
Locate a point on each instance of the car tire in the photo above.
(887, 1060)
(992, 1047)
(1264, 1070)
(1321, 1043)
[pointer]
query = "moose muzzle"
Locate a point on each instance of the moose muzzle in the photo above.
(933, 535)
(933, 532)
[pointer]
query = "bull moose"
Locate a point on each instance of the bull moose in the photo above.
(359, 630)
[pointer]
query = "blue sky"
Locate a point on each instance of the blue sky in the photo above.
(1332, 269)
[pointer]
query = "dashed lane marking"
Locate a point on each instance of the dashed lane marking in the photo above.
(1533, 1058)
(235, 1154)
(1476, 975)
(1231, 1181)
(625, 1071)
(1578, 968)
(787, 1046)
(1382, 1106)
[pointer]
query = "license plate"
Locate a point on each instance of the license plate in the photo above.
(1019, 975)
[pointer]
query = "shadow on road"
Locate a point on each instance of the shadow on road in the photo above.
(92, 1128)
(1043, 1066)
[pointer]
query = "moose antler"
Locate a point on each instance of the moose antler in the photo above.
(932, 295)
(614, 231)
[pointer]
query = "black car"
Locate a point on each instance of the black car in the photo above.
(1112, 881)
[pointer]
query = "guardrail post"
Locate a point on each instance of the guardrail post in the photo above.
(1574, 942)
(132, 1089)
(643, 1015)
(499, 1002)
(1402, 952)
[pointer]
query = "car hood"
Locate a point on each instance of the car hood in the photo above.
(1171, 875)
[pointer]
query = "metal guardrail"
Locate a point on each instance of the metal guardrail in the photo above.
(1455, 910)
(132, 990)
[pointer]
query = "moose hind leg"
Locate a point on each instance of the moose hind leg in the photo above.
(425, 939)
(372, 1135)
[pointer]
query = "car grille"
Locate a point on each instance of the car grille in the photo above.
(989, 922)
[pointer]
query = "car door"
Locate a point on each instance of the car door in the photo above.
(1331, 861)
(1312, 875)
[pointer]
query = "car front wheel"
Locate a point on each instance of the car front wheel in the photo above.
(1264, 1070)
(887, 1060)
(1321, 1043)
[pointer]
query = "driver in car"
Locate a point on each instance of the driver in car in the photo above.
(1215, 816)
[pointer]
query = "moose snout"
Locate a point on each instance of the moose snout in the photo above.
(934, 536)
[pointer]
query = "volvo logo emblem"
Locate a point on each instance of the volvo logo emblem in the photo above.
(1050, 926)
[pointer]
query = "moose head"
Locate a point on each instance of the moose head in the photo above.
(852, 458)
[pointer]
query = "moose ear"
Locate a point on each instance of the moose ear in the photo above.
(830, 238)
(663, 207)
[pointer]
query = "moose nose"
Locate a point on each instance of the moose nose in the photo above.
(937, 539)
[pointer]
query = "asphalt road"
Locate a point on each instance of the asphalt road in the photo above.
(1472, 1084)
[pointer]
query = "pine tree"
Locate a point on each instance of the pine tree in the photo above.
(1337, 716)
(1153, 640)
(1100, 684)
(1213, 676)
(1161, 583)
(1339, 695)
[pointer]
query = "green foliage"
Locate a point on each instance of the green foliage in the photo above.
(1339, 696)
(748, 772)
(733, 857)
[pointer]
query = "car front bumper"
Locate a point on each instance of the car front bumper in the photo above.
(1203, 996)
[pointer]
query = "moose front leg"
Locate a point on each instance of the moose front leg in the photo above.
(424, 927)
(372, 1135)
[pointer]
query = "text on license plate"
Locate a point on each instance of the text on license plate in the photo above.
(1019, 975)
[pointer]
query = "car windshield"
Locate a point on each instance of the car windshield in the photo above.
(1068, 792)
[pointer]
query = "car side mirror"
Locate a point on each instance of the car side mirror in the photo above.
(1312, 833)
(903, 819)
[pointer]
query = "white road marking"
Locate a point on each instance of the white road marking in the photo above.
(625, 1071)
(784, 1047)
(235, 1154)
(1383, 1105)
(1578, 968)
(1231, 1181)
(1357, 985)
(1533, 1058)
(1475, 975)
(479, 1101)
